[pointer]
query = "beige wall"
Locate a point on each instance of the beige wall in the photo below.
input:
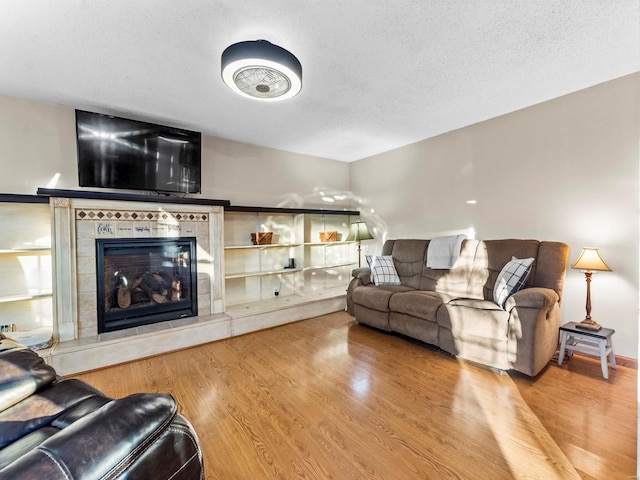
(250, 175)
(563, 170)
(38, 142)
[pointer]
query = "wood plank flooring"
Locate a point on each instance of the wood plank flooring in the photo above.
(327, 398)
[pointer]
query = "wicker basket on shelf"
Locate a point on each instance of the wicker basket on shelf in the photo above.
(261, 238)
(331, 236)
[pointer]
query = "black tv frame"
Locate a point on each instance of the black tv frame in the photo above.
(127, 155)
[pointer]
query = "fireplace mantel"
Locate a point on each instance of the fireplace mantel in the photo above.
(130, 197)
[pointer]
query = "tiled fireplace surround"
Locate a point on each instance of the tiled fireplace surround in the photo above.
(77, 223)
(94, 223)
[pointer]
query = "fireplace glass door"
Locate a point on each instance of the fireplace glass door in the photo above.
(145, 280)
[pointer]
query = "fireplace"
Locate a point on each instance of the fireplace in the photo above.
(145, 280)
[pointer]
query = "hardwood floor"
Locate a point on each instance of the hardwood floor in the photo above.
(327, 398)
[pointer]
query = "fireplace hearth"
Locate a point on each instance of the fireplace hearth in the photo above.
(141, 281)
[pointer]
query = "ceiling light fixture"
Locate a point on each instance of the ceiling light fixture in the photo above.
(259, 69)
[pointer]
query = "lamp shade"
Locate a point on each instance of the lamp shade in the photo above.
(590, 259)
(359, 231)
(261, 70)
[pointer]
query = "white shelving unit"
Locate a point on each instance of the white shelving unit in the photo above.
(295, 265)
(25, 265)
(256, 272)
(327, 265)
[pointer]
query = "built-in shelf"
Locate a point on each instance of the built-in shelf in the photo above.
(327, 265)
(26, 284)
(326, 244)
(23, 297)
(27, 251)
(261, 275)
(253, 247)
(277, 304)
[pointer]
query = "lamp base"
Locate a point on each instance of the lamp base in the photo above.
(588, 325)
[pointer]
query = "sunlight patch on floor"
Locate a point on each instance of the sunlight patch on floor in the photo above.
(524, 442)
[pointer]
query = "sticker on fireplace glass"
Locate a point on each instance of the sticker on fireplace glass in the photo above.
(142, 229)
(105, 229)
(124, 229)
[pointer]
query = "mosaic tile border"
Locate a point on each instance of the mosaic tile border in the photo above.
(137, 215)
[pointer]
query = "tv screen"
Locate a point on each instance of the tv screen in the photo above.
(119, 153)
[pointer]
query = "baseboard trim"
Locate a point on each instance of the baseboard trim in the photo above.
(621, 361)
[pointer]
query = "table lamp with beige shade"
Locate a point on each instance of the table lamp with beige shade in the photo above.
(589, 261)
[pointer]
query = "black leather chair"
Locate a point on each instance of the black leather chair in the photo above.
(56, 428)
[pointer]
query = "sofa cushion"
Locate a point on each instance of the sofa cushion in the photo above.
(492, 352)
(418, 328)
(477, 318)
(511, 279)
(383, 271)
(25, 444)
(550, 266)
(376, 298)
(472, 303)
(419, 303)
(409, 257)
(455, 281)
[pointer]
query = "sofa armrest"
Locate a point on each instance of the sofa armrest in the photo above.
(535, 297)
(534, 319)
(363, 274)
(361, 277)
(108, 442)
(22, 373)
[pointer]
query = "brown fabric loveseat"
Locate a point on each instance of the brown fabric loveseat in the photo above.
(454, 309)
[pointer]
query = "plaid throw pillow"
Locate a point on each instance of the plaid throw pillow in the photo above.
(511, 279)
(383, 270)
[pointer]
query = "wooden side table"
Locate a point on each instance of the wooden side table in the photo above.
(591, 342)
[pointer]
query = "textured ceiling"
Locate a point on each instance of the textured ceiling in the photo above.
(377, 74)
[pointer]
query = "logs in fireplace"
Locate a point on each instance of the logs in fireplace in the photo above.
(145, 280)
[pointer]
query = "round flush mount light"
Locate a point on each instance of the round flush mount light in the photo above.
(262, 70)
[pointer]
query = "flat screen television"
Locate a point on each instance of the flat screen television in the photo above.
(119, 153)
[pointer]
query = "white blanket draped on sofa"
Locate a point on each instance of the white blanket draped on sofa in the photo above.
(443, 252)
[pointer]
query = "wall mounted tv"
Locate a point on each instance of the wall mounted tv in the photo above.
(127, 154)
